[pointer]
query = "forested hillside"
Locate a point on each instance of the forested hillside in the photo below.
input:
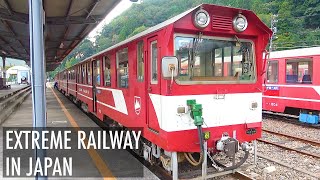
(297, 23)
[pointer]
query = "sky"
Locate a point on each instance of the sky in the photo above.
(120, 8)
(13, 62)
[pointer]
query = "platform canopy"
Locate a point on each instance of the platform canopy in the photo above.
(67, 23)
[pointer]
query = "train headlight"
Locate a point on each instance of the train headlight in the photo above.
(201, 19)
(240, 23)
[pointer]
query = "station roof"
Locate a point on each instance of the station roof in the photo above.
(67, 23)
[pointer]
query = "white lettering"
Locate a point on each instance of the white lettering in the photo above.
(136, 138)
(116, 139)
(8, 139)
(81, 138)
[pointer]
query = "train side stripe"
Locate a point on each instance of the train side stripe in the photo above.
(119, 100)
(85, 96)
(289, 98)
(89, 86)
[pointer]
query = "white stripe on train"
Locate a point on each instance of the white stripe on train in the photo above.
(290, 98)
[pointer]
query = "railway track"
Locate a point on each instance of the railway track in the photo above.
(288, 118)
(11, 101)
(298, 150)
(290, 139)
(315, 143)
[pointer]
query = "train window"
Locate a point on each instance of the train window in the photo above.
(123, 68)
(154, 62)
(213, 60)
(78, 73)
(272, 73)
(107, 73)
(97, 73)
(83, 70)
(299, 71)
(89, 72)
(73, 74)
(140, 63)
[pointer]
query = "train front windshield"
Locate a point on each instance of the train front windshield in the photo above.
(203, 60)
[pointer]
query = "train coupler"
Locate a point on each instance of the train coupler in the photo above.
(228, 145)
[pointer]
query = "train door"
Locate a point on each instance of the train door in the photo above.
(153, 80)
(96, 82)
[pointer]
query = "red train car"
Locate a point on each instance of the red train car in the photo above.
(203, 66)
(293, 82)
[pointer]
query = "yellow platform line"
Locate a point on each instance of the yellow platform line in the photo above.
(99, 163)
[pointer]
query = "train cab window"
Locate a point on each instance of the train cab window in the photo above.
(154, 62)
(89, 72)
(123, 68)
(96, 72)
(213, 61)
(140, 63)
(107, 73)
(272, 73)
(299, 71)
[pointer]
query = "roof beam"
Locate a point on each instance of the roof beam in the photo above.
(10, 35)
(15, 17)
(24, 18)
(26, 38)
(15, 57)
(69, 8)
(8, 6)
(92, 8)
(5, 41)
(66, 32)
(9, 27)
(73, 20)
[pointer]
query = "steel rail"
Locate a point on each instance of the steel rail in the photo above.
(292, 119)
(315, 143)
(288, 148)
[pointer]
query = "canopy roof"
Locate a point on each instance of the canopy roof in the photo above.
(67, 23)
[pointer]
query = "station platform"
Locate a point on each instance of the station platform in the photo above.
(14, 88)
(94, 163)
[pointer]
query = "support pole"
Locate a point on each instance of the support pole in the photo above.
(255, 151)
(37, 70)
(174, 165)
(4, 67)
(205, 159)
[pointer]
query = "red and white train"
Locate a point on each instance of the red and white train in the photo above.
(293, 83)
(193, 82)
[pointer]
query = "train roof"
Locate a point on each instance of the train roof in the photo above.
(295, 53)
(146, 32)
(173, 20)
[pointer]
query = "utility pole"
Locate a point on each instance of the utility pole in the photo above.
(273, 29)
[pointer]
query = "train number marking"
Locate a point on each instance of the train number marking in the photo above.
(274, 104)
